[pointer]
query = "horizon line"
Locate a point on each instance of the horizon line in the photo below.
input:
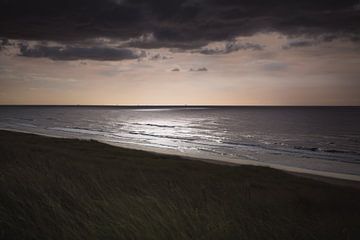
(165, 105)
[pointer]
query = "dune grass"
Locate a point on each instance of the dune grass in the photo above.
(74, 189)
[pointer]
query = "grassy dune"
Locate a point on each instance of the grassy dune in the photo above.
(72, 189)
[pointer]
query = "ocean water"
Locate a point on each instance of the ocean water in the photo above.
(313, 139)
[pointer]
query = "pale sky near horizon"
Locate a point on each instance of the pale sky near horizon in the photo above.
(268, 66)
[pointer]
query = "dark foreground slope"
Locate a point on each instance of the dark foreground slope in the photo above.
(71, 189)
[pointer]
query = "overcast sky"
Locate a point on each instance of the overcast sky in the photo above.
(223, 52)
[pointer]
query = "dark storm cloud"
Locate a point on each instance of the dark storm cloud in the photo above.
(182, 24)
(158, 56)
(230, 47)
(77, 53)
(4, 42)
(202, 69)
(299, 43)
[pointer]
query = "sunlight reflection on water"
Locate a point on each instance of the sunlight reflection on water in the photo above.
(302, 137)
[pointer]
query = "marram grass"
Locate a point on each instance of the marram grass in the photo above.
(71, 189)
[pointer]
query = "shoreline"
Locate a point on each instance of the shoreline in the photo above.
(326, 177)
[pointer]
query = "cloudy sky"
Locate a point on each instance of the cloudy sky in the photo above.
(223, 52)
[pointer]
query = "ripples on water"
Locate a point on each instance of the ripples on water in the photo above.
(318, 138)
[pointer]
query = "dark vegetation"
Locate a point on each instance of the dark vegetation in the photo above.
(74, 189)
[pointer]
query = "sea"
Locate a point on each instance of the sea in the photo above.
(316, 140)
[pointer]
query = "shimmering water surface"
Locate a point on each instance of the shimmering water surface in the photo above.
(315, 138)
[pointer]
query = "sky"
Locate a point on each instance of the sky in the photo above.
(194, 52)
